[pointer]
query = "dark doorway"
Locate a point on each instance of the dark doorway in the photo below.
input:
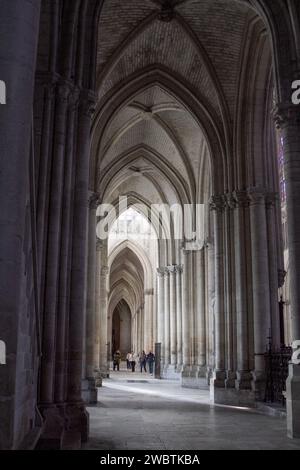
(121, 329)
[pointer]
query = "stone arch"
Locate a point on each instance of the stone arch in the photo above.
(204, 116)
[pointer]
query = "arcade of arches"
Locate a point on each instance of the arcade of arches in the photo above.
(179, 102)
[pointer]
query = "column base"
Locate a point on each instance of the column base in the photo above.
(89, 391)
(231, 378)
(223, 391)
(259, 385)
(65, 427)
(243, 380)
(170, 372)
(53, 427)
(104, 373)
(293, 402)
(77, 424)
(194, 377)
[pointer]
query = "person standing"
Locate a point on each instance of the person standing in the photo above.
(132, 360)
(142, 361)
(150, 361)
(128, 361)
(117, 360)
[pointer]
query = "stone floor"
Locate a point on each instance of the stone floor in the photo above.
(136, 411)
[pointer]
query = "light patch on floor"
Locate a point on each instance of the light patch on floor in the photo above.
(150, 414)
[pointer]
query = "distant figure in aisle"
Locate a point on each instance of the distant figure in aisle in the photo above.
(132, 360)
(117, 360)
(128, 361)
(142, 361)
(150, 361)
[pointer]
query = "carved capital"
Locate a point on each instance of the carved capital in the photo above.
(74, 99)
(257, 196)
(87, 103)
(104, 271)
(179, 269)
(173, 269)
(241, 199)
(286, 114)
(93, 200)
(218, 203)
(230, 201)
(271, 200)
(99, 244)
(64, 91)
(160, 272)
(149, 292)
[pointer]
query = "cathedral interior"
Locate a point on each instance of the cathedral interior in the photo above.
(117, 110)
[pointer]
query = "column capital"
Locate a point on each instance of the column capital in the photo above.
(218, 203)
(149, 292)
(179, 269)
(241, 198)
(99, 244)
(87, 102)
(65, 89)
(104, 271)
(160, 272)
(93, 200)
(172, 269)
(257, 196)
(230, 200)
(271, 200)
(286, 114)
(48, 81)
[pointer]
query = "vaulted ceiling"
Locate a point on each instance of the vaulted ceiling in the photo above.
(172, 130)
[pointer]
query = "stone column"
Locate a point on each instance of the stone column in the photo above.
(78, 418)
(148, 323)
(18, 20)
(91, 297)
(97, 321)
(179, 316)
(160, 303)
(229, 294)
(173, 326)
(160, 310)
(244, 377)
(47, 382)
(44, 170)
(261, 286)
(287, 117)
(103, 321)
(61, 345)
(217, 384)
(140, 330)
(271, 202)
(167, 355)
(90, 394)
(210, 308)
(136, 333)
(186, 309)
(218, 206)
(200, 314)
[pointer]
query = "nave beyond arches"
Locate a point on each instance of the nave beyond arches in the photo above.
(177, 103)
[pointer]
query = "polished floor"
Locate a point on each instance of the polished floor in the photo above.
(135, 411)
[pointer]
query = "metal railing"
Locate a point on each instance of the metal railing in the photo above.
(277, 370)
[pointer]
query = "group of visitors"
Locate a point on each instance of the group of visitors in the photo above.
(142, 359)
